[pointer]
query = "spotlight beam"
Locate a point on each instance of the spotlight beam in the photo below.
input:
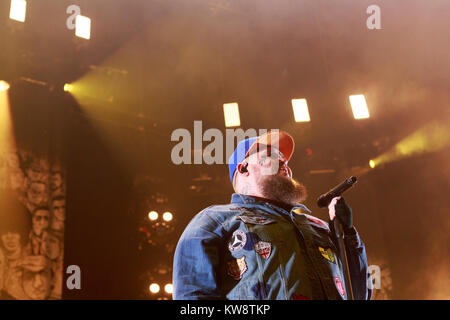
(432, 137)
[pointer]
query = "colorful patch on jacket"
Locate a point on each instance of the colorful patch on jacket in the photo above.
(300, 211)
(316, 221)
(299, 297)
(339, 286)
(253, 218)
(236, 268)
(237, 241)
(263, 249)
(238, 209)
(327, 254)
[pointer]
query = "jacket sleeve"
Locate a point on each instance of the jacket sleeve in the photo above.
(196, 260)
(357, 264)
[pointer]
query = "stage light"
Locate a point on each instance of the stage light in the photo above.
(4, 85)
(432, 137)
(372, 164)
(154, 288)
(168, 288)
(167, 216)
(83, 27)
(18, 10)
(231, 112)
(301, 113)
(153, 215)
(359, 106)
(68, 87)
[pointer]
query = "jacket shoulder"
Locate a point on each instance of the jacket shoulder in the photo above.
(215, 214)
(222, 212)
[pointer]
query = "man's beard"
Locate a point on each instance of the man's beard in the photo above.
(283, 189)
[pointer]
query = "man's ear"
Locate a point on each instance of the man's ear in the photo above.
(242, 167)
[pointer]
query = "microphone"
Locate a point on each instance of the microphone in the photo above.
(325, 199)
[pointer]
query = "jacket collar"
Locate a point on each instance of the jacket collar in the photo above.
(246, 199)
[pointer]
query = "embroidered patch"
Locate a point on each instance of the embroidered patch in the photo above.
(238, 240)
(300, 211)
(315, 221)
(339, 286)
(299, 297)
(236, 268)
(253, 218)
(263, 249)
(327, 254)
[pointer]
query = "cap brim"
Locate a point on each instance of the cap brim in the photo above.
(279, 139)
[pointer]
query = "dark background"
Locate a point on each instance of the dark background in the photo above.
(154, 66)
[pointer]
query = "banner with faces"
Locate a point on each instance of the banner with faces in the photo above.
(32, 220)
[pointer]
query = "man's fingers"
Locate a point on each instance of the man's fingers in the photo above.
(333, 202)
(331, 207)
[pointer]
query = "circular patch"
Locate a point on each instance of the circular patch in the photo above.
(238, 240)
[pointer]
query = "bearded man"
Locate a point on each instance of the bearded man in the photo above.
(265, 244)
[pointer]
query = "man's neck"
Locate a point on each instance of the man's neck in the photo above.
(283, 205)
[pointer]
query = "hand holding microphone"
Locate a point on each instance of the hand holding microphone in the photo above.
(337, 205)
(339, 208)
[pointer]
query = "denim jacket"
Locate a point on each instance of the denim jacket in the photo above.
(250, 249)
